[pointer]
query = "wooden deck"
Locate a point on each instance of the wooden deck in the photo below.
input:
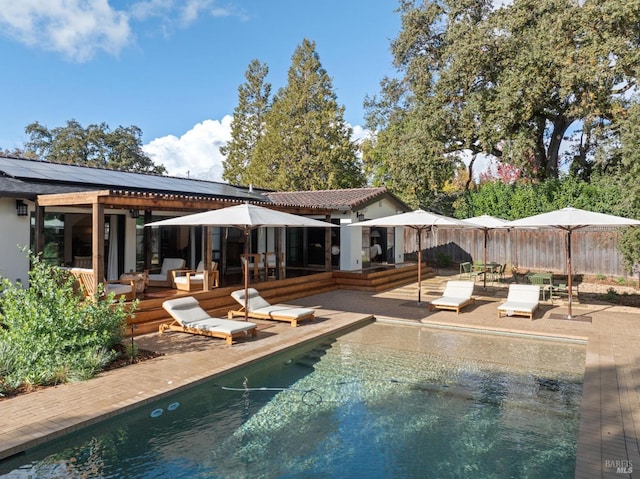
(150, 314)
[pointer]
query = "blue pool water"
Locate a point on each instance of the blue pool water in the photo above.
(383, 401)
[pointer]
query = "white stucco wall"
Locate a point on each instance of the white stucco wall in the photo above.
(350, 246)
(14, 234)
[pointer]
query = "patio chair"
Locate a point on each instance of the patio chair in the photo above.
(478, 268)
(164, 279)
(189, 317)
(545, 281)
(256, 265)
(190, 280)
(497, 275)
(270, 263)
(125, 287)
(456, 295)
(522, 299)
(260, 308)
(465, 270)
(82, 262)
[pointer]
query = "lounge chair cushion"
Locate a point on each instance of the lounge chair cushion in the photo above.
(456, 295)
(118, 289)
(254, 301)
(522, 299)
(186, 310)
(198, 276)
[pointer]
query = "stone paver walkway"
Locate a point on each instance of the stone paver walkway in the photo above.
(610, 415)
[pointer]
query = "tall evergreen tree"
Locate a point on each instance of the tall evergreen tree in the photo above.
(248, 123)
(307, 144)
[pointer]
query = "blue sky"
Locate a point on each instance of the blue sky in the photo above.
(173, 67)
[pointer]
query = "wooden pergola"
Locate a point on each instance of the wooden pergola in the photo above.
(100, 200)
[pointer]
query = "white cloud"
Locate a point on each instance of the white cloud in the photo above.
(75, 28)
(196, 153)
(359, 133)
(79, 29)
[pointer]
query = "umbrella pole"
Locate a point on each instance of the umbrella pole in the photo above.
(419, 263)
(570, 277)
(484, 260)
(245, 267)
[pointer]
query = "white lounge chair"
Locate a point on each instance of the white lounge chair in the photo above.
(456, 295)
(189, 317)
(522, 299)
(260, 308)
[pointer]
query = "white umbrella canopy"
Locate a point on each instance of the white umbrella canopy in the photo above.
(245, 217)
(486, 223)
(571, 219)
(419, 220)
(242, 216)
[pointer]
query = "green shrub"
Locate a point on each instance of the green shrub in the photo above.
(600, 276)
(621, 280)
(50, 334)
(612, 295)
(443, 260)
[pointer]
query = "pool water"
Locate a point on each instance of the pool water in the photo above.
(382, 401)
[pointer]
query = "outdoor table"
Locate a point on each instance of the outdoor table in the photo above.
(485, 268)
(140, 280)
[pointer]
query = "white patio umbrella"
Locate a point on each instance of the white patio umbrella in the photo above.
(245, 217)
(569, 220)
(420, 221)
(486, 223)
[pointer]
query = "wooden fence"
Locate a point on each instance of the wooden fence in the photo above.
(594, 251)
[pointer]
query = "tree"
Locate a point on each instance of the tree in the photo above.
(15, 153)
(306, 143)
(248, 125)
(520, 82)
(95, 145)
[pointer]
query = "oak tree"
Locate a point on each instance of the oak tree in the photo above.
(534, 83)
(95, 145)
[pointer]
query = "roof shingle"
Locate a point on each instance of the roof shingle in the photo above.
(330, 199)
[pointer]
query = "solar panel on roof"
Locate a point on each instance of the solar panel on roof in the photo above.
(40, 170)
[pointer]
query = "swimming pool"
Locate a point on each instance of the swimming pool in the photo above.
(382, 401)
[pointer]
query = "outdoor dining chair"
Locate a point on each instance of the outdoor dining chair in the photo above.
(465, 270)
(545, 281)
(497, 275)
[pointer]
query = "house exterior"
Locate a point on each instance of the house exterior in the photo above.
(57, 209)
(356, 246)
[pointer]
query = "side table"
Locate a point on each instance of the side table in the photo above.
(140, 279)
